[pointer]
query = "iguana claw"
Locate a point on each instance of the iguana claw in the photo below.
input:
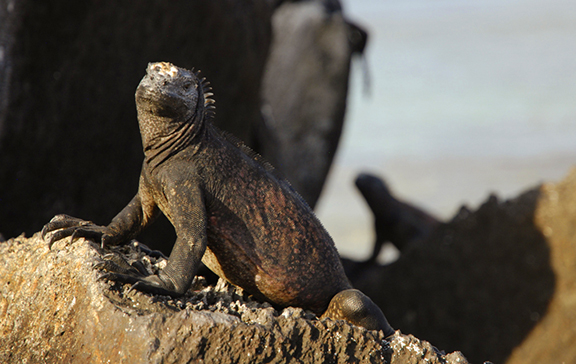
(118, 269)
(63, 226)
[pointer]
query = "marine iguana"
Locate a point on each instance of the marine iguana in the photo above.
(229, 208)
(394, 221)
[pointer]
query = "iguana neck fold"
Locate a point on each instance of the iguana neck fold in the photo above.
(159, 149)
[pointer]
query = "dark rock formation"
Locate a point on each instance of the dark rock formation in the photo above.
(395, 221)
(69, 141)
(54, 309)
(496, 283)
(305, 88)
(68, 136)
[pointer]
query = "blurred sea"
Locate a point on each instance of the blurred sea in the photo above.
(465, 98)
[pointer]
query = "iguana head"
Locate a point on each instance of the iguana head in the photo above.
(173, 104)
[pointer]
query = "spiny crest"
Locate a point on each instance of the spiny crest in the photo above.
(232, 139)
(209, 103)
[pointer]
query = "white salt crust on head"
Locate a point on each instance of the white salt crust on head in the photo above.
(165, 68)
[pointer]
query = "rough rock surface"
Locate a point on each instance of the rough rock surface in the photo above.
(54, 308)
(497, 283)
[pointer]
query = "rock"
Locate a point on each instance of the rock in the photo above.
(305, 87)
(54, 308)
(554, 334)
(497, 283)
(69, 140)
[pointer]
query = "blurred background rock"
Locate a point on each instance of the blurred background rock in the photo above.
(466, 98)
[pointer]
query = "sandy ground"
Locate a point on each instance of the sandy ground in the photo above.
(465, 99)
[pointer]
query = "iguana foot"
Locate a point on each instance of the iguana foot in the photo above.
(62, 226)
(358, 309)
(117, 269)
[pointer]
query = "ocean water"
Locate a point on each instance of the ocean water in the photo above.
(464, 99)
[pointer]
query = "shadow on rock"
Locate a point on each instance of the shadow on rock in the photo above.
(479, 284)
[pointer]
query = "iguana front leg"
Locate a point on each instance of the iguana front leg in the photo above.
(124, 227)
(185, 208)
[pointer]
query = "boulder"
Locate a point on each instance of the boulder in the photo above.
(497, 283)
(54, 308)
(304, 89)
